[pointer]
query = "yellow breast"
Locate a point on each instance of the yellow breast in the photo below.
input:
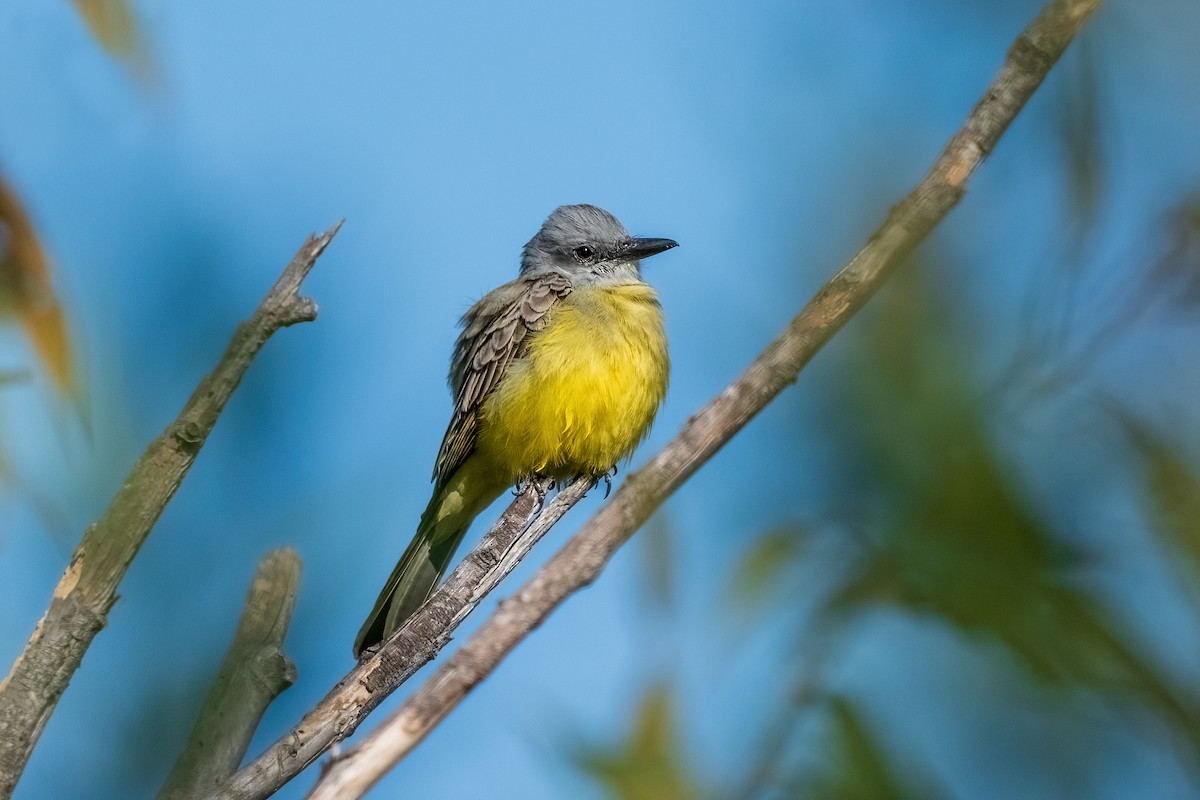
(585, 393)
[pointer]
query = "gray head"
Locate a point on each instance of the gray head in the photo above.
(589, 246)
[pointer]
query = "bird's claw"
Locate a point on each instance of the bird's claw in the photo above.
(532, 480)
(607, 478)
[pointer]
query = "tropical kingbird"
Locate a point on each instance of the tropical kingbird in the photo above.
(558, 373)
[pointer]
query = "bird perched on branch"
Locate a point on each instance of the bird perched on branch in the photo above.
(557, 373)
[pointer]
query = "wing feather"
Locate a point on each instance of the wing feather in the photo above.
(495, 331)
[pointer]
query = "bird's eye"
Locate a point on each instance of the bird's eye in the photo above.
(583, 252)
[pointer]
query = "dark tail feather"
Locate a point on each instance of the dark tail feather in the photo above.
(415, 576)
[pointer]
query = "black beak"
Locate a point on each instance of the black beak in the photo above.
(644, 248)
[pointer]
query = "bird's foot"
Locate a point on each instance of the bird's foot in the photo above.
(607, 477)
(535, 482)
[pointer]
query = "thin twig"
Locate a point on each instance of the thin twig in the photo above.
(421, 638)
(87, 590)
(584, 556)
(255, 671)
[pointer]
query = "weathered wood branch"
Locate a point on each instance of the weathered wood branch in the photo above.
(87, 590)
(421, 638)
(579, 563)
(255, 671)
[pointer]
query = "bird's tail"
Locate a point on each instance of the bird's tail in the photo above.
(454, 505)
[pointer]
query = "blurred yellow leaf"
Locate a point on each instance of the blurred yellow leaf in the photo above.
(766, 564)
(648, 765)
(1173, 490)
(26, 291)
(112, 23)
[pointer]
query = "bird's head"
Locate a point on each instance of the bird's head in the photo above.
(588, 245)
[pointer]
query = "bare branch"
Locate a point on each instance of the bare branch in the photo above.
(421, 638)
(87, 590)
(584, 556)
(254, 673)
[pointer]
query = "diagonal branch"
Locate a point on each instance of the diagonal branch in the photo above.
(87, 590)
(421, 638)
(584, 556)
(255, 671)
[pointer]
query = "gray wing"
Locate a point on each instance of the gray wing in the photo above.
(495, 331)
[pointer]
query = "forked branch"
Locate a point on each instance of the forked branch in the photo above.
(255, 671)
(87, 590)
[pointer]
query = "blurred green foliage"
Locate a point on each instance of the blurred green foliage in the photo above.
(1172, 497)
(951, 530)
(953, 540)
(859, 768)
(958, 541)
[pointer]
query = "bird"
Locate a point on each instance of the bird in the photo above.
(557, 374)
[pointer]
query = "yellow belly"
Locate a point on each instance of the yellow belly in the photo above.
(585, 393)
